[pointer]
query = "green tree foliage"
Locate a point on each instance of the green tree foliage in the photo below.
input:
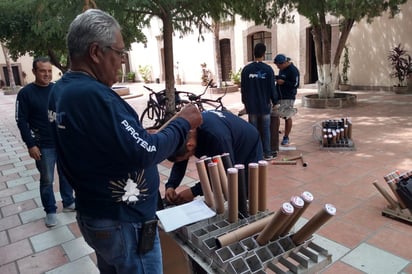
(179, 17)
(318, 12)
(38, 27)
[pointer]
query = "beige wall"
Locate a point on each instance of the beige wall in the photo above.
(25, 63)
(369, 45)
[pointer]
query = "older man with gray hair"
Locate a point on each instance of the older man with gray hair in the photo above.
(106, 154)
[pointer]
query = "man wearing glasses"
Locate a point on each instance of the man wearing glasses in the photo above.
(108, 157)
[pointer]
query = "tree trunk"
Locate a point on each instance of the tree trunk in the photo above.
(218, 64)
(169, 66)
(345, 28)
(55, 61)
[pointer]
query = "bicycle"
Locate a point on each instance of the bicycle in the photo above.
(153, 116)
(205, 103)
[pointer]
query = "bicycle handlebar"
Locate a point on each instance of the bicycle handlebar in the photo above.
(149, 89)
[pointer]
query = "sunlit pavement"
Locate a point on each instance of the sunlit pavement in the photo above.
(359, 238)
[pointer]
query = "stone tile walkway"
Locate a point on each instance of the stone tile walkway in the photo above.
(358, 237)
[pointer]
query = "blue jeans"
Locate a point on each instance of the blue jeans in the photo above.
(46, 168)
(265, 135)
(115, 244)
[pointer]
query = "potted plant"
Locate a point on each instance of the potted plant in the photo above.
(131, 76)
(205, 74)
(400, 62)
(178, 79)
(120, 76)
(344, 84)
(145, 72)
(235, 76)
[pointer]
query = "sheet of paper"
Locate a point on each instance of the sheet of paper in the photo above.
(178, 216)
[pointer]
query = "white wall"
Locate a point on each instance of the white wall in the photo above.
(370, 44)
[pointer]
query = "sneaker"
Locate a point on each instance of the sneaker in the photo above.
(268, 157)
(70, 208)
(51, 219)
(285, 141)
(274, 154)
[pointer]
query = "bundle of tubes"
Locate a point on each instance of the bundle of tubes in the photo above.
(222, 181)
(271, 227)
(336, 133)
(392, 179)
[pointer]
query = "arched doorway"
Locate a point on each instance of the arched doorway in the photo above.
(311, 64)
(225, 59)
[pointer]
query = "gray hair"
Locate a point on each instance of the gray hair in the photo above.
(91, 26)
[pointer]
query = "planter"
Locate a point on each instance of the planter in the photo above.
(401, 90)
(11, 91)
(341, 100)
(344, 87)
(121, 90)
(227, 89)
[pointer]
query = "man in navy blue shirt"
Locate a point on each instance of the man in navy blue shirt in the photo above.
(287, 83)
(221, 132)
(258, 95)
(35, 130)
(106, 154)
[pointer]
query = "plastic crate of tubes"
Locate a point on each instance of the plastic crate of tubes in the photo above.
(337, 133)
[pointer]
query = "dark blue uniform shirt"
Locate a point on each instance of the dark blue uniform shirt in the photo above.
(221, 132)
(108, 158)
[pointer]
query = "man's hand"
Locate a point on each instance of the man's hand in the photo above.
(192, 114)
(185, 196)
(34, 153)
(280, 81)
(171, 195)
(182, 197)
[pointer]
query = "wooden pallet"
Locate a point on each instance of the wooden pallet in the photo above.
(399, 214)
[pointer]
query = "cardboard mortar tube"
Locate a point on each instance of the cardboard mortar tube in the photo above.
(253, 187)
(300, 157)
(305, 232)
(304, 163)
(277, 221)
(262, 186)
(307, 198)
(298, 204)
(217, 189)
(242, 196)
(292, 158)
(274, 162)
(392, 186)
(205, 183)
(392, 203)
(227, 162)
(233, 195)
(242, 232)
(222, 174)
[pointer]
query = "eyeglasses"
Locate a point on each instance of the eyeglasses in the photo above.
(121, 52)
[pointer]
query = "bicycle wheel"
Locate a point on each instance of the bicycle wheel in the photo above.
(151, 118)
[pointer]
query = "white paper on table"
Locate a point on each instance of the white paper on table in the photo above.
(178, 216)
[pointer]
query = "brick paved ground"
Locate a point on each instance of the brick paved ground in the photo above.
(358, 237)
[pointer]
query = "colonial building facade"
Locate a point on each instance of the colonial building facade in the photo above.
(368, 45)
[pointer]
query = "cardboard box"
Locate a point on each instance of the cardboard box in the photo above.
(175, 260)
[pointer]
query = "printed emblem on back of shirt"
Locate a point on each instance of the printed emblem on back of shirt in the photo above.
(130, 190)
